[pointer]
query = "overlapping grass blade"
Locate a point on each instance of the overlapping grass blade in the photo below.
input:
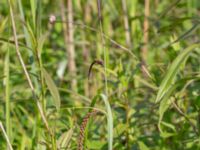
(6, 136)
(172, 71)
(109, 121)
(52, 88)
(65, 138)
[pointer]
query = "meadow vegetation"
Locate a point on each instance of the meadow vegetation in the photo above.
(99, 74)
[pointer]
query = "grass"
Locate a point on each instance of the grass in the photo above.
(102, 75)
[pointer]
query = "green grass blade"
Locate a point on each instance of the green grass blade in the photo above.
(7, 91)
(172, 71)
(33, 11)
(166, 101)
(64, 139)
(27, 37)
(52, 88)
(41, 41)
(109, 121)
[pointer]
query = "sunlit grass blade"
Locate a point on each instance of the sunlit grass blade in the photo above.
(64, 139)
(172, 71)
(109, 121)
(33, 11)
(7, 91)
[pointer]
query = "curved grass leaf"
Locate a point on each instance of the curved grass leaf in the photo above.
(164, 105)
(166, 101)
(64, 139)
(33, 11)
(109, 121)
(52, 88)
(172, 71)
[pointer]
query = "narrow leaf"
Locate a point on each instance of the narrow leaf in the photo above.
(172, 71)
(52, 88)
(64, 139)
(109, 121)
(41, 41)
(33, 10)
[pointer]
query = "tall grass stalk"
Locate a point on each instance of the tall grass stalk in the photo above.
(70, 45)
(7, 91)
(109, 112)
(6, 136)
(126, 24)
(109, 121)
(28, 40)
(103, 43)
(24, 68)
(146, 29)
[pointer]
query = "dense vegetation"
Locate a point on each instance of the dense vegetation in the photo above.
(100, 74)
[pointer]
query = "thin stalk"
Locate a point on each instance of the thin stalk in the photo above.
(104, 35)
(104, 97)
(39, 61)
(86, 54)
(7, 93)
(54, 147)
(38, 55)
(168, 9)
(134, 25)
(28, 41)
(38, 17)
(68, 32)
(25, 70)
(127, 124)
(70, 39)
(90, 108)
(29, 44)
(185, 116)
(145, 29)
(126, 24)
(103, 44)
(40, 65)
(6, 136)
(86, 60)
